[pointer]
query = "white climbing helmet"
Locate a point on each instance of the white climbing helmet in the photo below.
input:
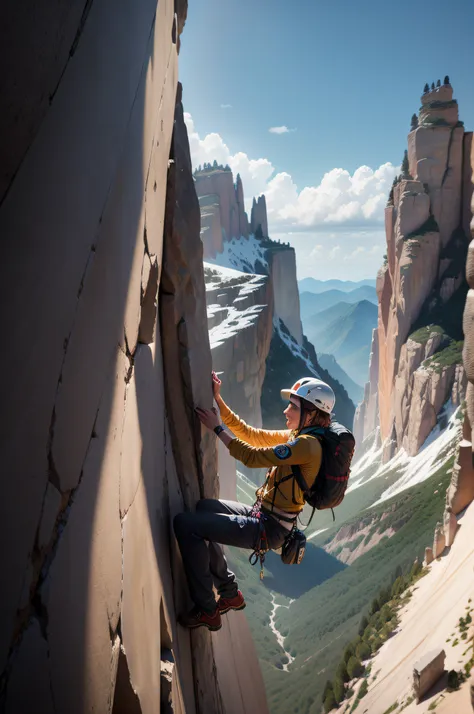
(315, 391)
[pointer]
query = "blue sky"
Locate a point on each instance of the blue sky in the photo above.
(344, 77)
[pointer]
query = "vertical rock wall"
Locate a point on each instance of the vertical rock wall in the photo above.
(282, 266)
(211, 226)
(421, 280)
(101, 446)
(258, 216)
(217, 186)
(461, 491)
(366, 417)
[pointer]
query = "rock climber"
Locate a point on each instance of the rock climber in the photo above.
(310, 403)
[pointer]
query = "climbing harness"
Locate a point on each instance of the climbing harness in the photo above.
(261, 546)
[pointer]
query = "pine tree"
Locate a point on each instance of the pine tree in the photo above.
(398, 586)
(438, 83)
(415, 569)
(376, 644)
(214, 165)
(339, 690)
(375, 607)
(363, 624)
(446, 80)
(342, 672)
(363, 651)
(329, 702)
(397, 572)
(328, 687)
(405, 166)
(355, 667)
(432, 86)
(414, 122)
(348, 652)
(426, 88)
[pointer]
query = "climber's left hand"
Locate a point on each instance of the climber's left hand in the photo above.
(208, 417)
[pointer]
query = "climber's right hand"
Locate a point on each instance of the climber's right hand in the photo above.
(216, 386)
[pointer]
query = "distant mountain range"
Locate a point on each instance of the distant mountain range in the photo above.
(321, 286)
(345, 331)
(329, 363)
(311, 303)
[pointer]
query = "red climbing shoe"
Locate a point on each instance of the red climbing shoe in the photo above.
(225, 604)
(199, 618)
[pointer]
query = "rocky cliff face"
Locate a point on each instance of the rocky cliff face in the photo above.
(366, 417)
(421, 286)
(258, 217)
(226, 241)
(461, 490)
(216, 189)
(102, 447)
(282, 266)
(239, 309)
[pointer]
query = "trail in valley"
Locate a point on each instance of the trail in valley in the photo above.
(279, 637)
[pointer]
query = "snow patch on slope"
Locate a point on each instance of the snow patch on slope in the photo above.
(246, 255)
(232, 317)
(293, 346)
(437, 449)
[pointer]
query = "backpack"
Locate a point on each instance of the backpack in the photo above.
(330, 485)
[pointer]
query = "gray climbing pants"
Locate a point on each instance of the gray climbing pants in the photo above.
(218, 522)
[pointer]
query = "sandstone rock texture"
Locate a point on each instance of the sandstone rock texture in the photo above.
(103, 299)
(460, 492)
(423, 275)
(428, 556)
(282, 268)
(217, 187)
(220, 201)
(450, 527)
(427, 671)
(366, 417)
(439, 542)
(258, 216)
(211, 226)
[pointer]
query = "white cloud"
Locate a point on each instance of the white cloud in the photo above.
(340, 199)
(226, 106)
(351, 205)
(280, 130)
(317, 251)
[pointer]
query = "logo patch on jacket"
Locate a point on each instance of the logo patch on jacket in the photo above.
(282, 452)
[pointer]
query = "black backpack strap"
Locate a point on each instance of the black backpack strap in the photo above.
(300, 480)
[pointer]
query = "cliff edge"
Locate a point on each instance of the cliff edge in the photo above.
(103, 299)
(416, 363)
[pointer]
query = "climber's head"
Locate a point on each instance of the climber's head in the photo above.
(311, 402)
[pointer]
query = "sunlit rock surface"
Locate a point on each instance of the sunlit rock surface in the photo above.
(103, 299)
(423, 274)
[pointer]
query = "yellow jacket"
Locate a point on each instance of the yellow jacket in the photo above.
(277, 450)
